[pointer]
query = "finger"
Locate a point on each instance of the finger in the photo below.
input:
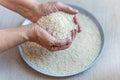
(75, 19)
(60, 48)
(78, 28)
(52, 49)
(73, 34)
(64, 47)
(76, 22)
(63, 42)
(67, 9)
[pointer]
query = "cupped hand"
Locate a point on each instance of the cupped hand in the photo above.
(42, 37)
(33, 10)
(50, 7)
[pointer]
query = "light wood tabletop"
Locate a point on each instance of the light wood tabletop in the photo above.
(12, 67)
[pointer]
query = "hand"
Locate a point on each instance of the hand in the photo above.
(33, 10)
(42, 37)
(50, 7)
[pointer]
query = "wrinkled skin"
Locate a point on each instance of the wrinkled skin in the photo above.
(33, 10)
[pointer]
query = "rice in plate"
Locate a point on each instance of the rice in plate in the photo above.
(81, 54)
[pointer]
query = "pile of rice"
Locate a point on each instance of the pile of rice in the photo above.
(80, 54)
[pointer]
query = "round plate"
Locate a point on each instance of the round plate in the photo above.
(82, 11)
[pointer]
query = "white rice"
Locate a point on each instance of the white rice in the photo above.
(81, 53)
(59, 24)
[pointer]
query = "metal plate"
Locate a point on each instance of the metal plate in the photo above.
(82, 11)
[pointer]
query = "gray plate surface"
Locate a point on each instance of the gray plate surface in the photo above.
(83, 11)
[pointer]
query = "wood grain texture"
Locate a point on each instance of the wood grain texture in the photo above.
(107, 68)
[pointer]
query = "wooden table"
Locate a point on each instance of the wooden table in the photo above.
(12, 67)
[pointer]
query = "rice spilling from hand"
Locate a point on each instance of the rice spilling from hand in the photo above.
(79, 55)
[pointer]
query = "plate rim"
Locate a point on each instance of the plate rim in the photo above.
(101, 31)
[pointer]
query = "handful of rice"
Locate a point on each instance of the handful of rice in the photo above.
(80, 54)
(58, 24)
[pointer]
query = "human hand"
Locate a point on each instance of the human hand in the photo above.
(37, 34)
(50, 7)
(33, 10)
